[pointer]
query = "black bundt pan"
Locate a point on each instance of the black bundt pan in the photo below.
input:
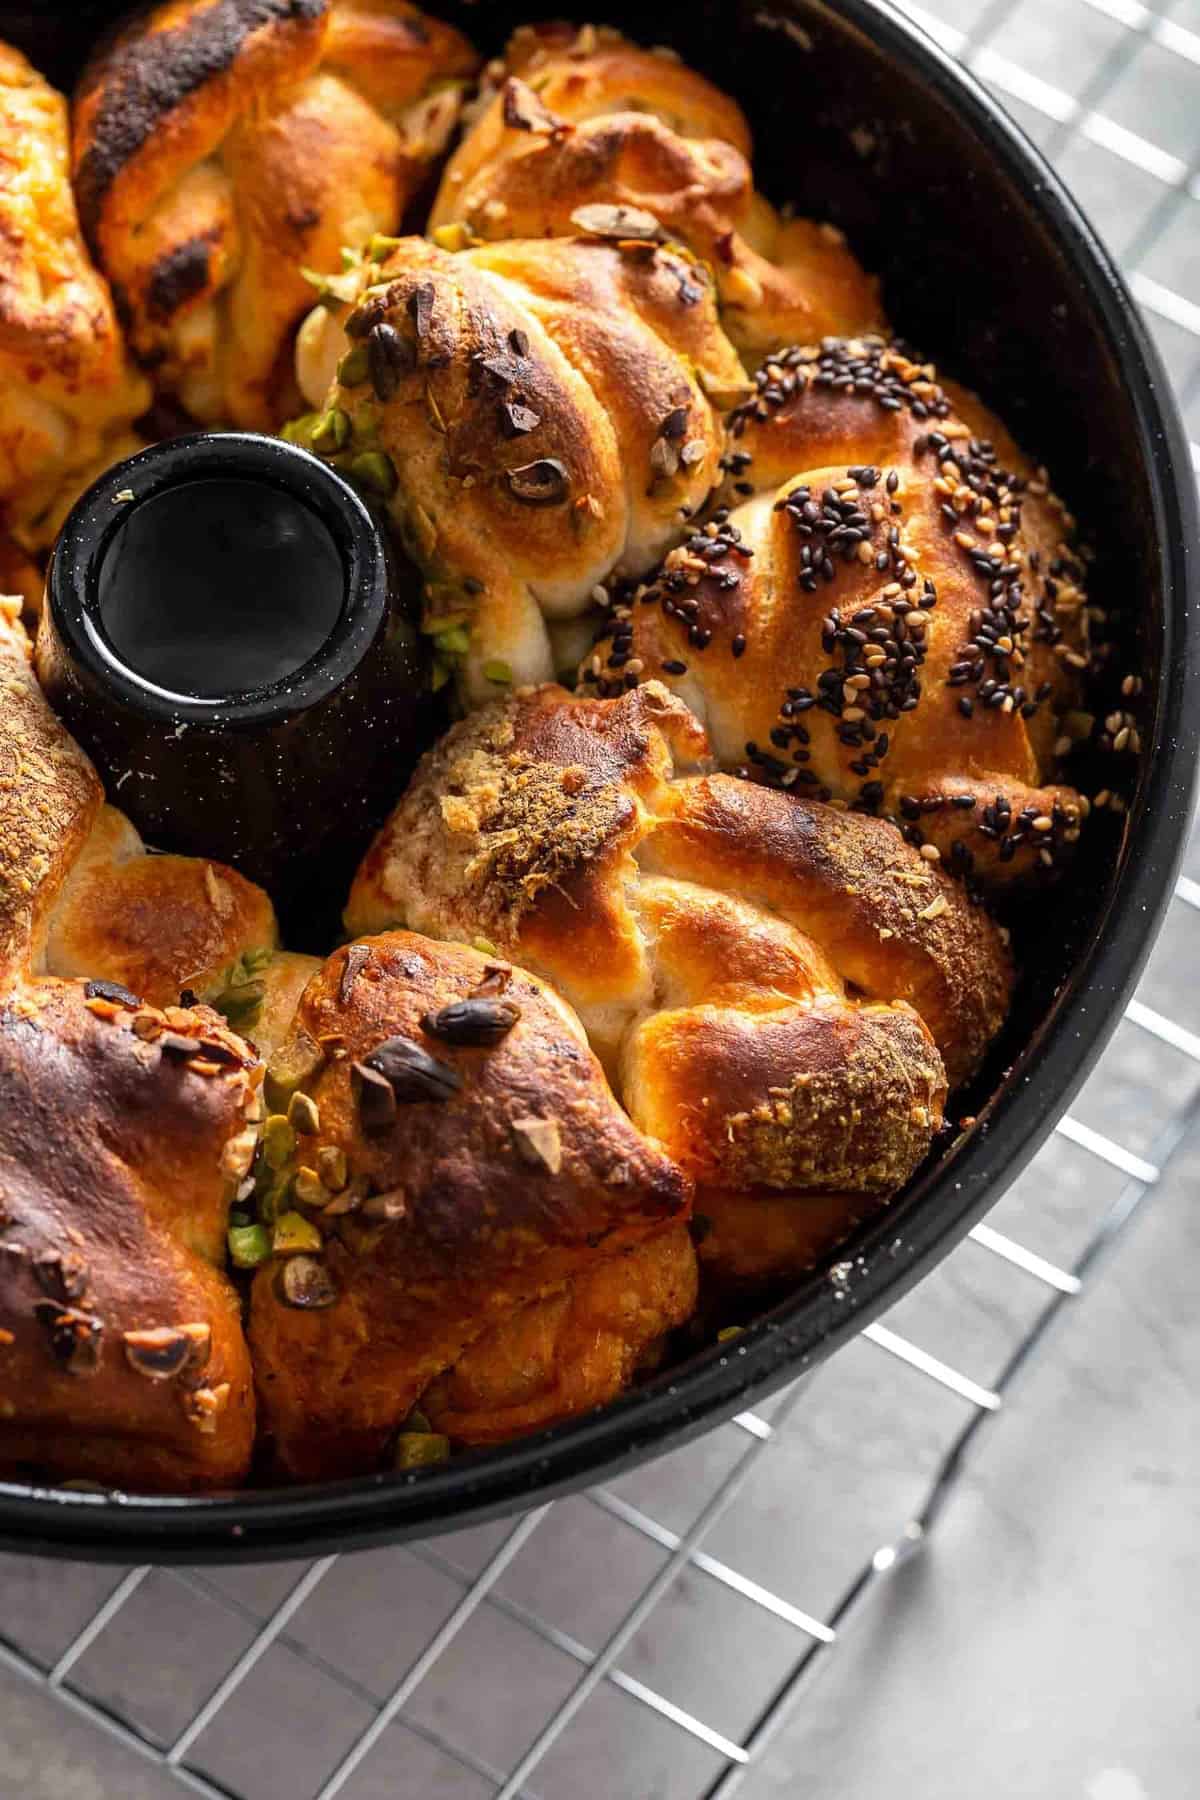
(988, 263)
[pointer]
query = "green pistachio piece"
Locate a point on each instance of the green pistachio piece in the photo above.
(299, 431)
(278, 1141)
(309, 1188)
(353, 369)
(375, 471)
(499, 672)
(454, 642)
(294, 1235)
(332, 1167)
(420, 1449)
(291, 1065)
(304, 1115)
(274, 1199)
(381, 247)
(249, 1245)
(331, 432)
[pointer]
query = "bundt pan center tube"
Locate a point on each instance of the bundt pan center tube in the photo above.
(227, 634)
(860, 120)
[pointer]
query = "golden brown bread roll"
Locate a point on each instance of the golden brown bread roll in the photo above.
(558, 1357)
(122, 1357)
(780, 992)
(894, 618)
(486, 1170)
(122, 1128)
(67, 390)
(221, 146)
(581, 118)
(541, 415)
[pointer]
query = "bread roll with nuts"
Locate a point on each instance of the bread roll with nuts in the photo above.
(781, 993)
(498, 1242)
(539, 416)
(573, 120)
(123, 1129)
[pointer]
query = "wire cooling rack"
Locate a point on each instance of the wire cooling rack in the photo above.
(363, 1676)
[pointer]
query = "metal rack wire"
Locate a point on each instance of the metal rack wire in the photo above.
(470, 1589)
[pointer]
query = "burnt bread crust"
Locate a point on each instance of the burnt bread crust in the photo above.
(126, 1122)
(223, 147)
(122, 1357)
(480, 1177)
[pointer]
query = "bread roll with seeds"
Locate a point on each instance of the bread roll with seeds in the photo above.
(781, 993)
(541, 414)
(891, 614)
(582, 118)
(126, 1123)
(488, 1193)
(68, 392)
(122, 1358)
(221, 149)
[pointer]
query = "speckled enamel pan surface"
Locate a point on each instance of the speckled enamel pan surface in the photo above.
(990, 267)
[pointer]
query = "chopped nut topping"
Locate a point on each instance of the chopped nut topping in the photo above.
(539, 1142)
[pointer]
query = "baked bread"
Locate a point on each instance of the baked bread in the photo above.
(223, 146)
(122, 1129)
(781, 993)
(492, 1202)
(68, 393)
(541, 415)
(891, 613)
(575, 119)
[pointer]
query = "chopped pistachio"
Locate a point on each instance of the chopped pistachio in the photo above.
(278, 1141)
(420, 1449)
(291, 1065)
(499, 672)
(332, 1167)
(294, 1234)
(381, 247)
(303, 1114)
(273, 1200)
(352, 371)
(249, 1245)
(374, 470)
(351, 258)
(309, 1188)
(454, 237)
(453, 642)
(299, 431)
(727, 1332)
(331, 431)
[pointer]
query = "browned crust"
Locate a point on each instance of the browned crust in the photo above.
(49, 797)
(488, 1225)
(156, 924)
(523, 799)
(580, 1348)
(586, 118)
(131, 90)
(112, 1219)
(949, 516)
(602, 352)
(891, 923)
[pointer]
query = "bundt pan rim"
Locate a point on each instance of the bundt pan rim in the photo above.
(1043, 1057)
